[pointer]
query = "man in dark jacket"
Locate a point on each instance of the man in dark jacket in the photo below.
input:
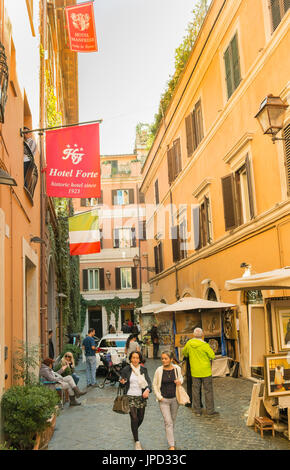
(155, 340)
(50, 345)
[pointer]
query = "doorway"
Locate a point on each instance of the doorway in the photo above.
(96, 321)
(127, 314)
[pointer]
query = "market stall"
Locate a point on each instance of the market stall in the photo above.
(147, 320)
(217, 319)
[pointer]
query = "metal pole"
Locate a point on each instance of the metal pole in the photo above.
(22, 132)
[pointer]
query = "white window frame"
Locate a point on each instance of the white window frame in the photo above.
(128, 278)
(95, 284)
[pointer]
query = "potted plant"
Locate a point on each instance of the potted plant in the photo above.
(28, 415)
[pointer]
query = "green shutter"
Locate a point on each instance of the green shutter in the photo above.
(235, 61)
(228, 68)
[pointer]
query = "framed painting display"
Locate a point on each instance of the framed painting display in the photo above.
(211, 323)
(283, 319)
(181, 339)
(277, 374)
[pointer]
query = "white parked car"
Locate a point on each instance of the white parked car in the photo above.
(115, 345)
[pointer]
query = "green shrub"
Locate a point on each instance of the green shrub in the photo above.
(26, 410)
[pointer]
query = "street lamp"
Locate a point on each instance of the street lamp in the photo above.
(137, 264)
(108, 276)
(271, 116)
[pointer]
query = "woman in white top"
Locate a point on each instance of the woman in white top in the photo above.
(137, 384)
(166, 378)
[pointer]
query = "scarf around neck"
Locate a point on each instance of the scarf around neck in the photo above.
(142, 382)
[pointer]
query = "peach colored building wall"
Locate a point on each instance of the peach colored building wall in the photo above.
(230, 133)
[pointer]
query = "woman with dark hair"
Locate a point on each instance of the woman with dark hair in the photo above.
(137, 386)
(131, 346)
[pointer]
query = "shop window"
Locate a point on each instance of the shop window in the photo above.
(278, 9)
(238, 200)
(124, 237)
(194, 128)
(122, 197)
(232, 66)
(174, 161)
(286, 135)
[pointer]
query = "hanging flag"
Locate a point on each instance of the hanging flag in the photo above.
(84, 233)
(81, 28)
(73, 162)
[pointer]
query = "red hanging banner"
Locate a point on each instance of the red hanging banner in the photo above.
(73, 162)
(81, 28)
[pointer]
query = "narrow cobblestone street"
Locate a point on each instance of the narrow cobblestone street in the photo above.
(94, 426)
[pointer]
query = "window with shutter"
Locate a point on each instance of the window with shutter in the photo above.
(134, 277)
(228, 190)
(160, 257)
(126, 277)
(102, 278)
(232, 66)
(198, 123)
(118, 278)
(156, 192)
(278, 9)
(175, 243)
(250, 186)
(170, 165)
(83, 202)
(156, 259)
(177, 157)
(131, 196)
(189, 135)
(116, 237)
(114, 197)
(85, 279)
(142, 229)
(141, 198)
(94, 279)
(133, 237)
(182, 241)
(195, 226)
(286, 134)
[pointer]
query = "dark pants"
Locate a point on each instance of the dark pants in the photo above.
(137, 416)
(197, 383)
(155, 350)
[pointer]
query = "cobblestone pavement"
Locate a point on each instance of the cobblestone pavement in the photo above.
(94, 426)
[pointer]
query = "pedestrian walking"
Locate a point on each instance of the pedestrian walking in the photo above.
(131, 346)
(50, 345)
(89, 348)
(165, 379)
(137, 386)
(200, 355)
(155, 340)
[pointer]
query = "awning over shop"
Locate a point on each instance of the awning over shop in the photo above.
(276, 279)
(151, 308)
(193, 303)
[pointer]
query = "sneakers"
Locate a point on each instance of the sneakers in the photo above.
(138, 445)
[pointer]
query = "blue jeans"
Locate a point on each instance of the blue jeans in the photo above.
(91, 369)
(76, 378)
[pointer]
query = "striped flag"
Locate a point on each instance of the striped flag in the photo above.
(84, 233)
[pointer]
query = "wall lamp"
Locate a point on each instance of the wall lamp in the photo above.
(5, 178)
(108, 276)
(271, 116)
(37, 240)
(247, 271)
(137, 264)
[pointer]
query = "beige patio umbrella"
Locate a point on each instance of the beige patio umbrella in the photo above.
(276, 279)
(193, 303)
(151, 308)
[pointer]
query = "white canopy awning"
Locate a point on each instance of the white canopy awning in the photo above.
(276, 279)
(151, 308)
(192, 303)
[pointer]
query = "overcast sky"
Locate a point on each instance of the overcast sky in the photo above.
(123, 81)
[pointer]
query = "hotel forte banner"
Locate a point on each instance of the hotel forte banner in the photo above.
(81, 28)
(73, 162)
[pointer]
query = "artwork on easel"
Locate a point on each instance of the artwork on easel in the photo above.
(277, 374)
(284, 329)
(211, 323)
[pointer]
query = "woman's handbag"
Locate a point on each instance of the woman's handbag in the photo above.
(121, 403)
(181, 395)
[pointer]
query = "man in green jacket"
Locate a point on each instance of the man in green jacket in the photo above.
(200, 355)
